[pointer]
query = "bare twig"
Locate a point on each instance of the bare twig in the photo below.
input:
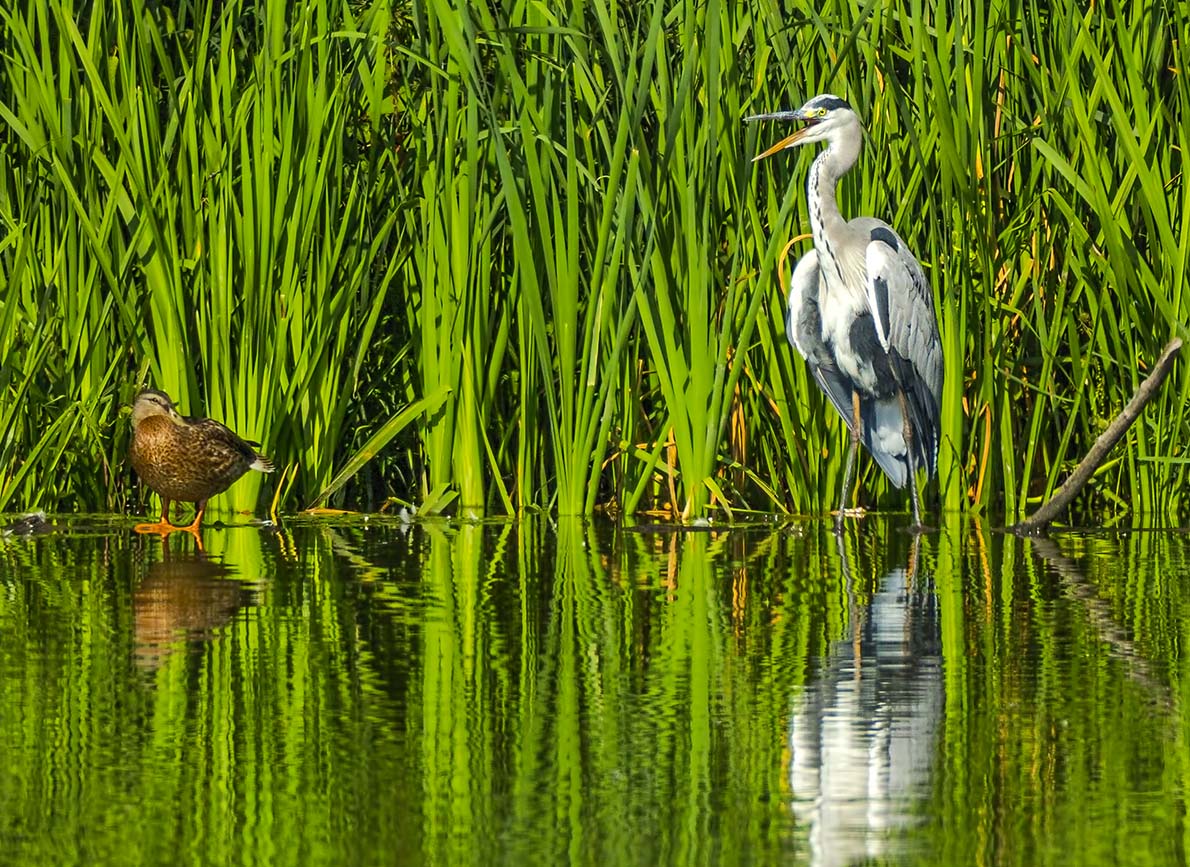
(1037, 522)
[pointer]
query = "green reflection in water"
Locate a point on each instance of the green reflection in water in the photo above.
(572, 693)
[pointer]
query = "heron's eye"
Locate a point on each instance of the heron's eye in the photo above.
(821, 112)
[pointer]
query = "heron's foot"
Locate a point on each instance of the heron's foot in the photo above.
(840, 515)
(857, 512)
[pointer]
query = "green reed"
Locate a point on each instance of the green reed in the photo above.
(534, 233)
(193, 205)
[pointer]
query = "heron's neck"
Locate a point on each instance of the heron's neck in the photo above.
(825, 220)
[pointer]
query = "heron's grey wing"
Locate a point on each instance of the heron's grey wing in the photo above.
(903, 311)
(803, 327)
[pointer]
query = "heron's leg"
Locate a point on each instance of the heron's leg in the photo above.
(907, 430)
(913, 490)
(849, 466)
(853, 609)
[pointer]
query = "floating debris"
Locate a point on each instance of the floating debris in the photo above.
(31, 524)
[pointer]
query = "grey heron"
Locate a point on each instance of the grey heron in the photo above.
(861, 313)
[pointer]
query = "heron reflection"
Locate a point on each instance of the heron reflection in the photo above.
(863, 733)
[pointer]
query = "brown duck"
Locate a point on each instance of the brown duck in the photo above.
(185, 458)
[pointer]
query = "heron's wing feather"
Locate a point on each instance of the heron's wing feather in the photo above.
(836, 387)
(803, 327)
(903, 311)
(803, 324)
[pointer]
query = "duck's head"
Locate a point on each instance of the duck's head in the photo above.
(152, 402)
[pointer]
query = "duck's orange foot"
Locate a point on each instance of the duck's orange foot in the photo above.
(192, 527)
(160, 528)
(163, 529)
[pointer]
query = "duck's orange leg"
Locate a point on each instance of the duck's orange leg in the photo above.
(193, 527)
(162, 527)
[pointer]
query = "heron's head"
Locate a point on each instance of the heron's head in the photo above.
(153, 402)
(823, 118)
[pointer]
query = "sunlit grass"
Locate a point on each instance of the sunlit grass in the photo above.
(535, 234)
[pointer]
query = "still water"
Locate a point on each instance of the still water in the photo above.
(549, 693)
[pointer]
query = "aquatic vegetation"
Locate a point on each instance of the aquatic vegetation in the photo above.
(499, 257)
(485, 692)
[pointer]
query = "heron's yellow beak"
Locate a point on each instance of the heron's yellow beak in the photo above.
(787, 142)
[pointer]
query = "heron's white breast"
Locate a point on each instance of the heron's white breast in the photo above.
(842, 298)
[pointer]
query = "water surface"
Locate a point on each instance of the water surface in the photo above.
(373, 692)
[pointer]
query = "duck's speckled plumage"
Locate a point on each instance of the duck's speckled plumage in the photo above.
(186, 458)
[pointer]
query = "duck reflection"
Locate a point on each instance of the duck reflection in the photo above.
(863, 732)
(185, 597)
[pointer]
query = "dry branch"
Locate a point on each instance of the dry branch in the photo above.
(1037, 522)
